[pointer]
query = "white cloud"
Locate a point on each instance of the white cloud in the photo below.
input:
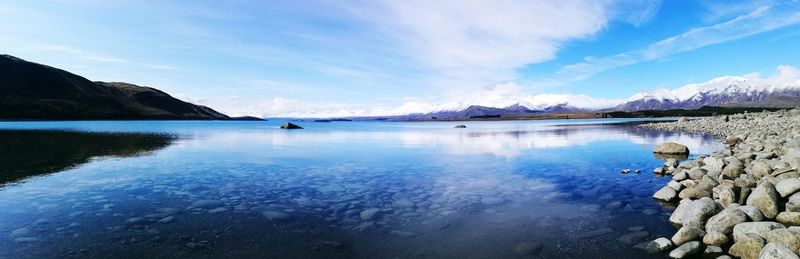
(476, 43)
(762, 19)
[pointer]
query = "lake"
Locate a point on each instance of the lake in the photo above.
(226, 189)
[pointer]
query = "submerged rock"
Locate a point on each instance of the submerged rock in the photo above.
(528, 248)
(277, 215)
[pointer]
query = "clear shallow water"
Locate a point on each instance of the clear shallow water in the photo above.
(338, 190)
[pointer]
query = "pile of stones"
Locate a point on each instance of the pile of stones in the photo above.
(741, 201)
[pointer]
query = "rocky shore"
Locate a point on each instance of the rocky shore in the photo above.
(741, 201)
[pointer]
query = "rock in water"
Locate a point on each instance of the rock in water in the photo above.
(776, 251)
(686, 234)
(765, 198)
(698, 211)
(686, 250)
(290, 125)
(461, 126)
(633, 237)
(747, 246)
(666, 194)
(671, 148)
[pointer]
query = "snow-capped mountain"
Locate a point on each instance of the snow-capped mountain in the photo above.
(722, 91)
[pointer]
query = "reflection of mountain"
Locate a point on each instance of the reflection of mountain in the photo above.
(507, 141)
(28, 153)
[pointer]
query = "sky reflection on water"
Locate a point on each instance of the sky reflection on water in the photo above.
(248, 189)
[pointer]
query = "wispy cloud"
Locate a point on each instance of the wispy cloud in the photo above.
(763, 19)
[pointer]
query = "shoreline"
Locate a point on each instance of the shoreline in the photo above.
(742, 200)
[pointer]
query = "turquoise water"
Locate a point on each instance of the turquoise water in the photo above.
(200, 189)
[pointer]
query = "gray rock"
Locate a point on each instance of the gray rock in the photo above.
(662, 244)
(752, 212)
(788, 218)
(675, 185)
(686, 250)
(687, 233)
(776, 251)
(732, 171)
(715, 238)
(698, 211)
(666, 193)
(671, 148)
(747, 246)
(786, 237)
(788, 187)
(724, 221)
(760, 169)
(677, 215)
(756, 228)
(793, 204)
(765, 198)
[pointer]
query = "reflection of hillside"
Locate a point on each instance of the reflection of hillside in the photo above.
(27, 153)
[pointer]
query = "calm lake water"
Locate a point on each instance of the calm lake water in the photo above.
(143, 189)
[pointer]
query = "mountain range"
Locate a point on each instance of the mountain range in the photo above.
(31, 91)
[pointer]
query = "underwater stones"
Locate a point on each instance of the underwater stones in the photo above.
(401, 233)
(168, 219)
(671, 148)
(370, 213)
(776, 251)
(765, 198)
(686, 250)
(633, 237)
(528, 248)
(403, 203)
(666, 193)
(20, 232)
(277, 215)
(207, 204)
(491, 201)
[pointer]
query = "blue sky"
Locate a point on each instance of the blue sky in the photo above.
(318, 58)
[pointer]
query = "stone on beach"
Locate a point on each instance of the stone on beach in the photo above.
(765, 198)
(686, 234)
(666, 193)
(724, 221)
(788, 186)
(747, 246)
(776, 251)
(698, 211)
